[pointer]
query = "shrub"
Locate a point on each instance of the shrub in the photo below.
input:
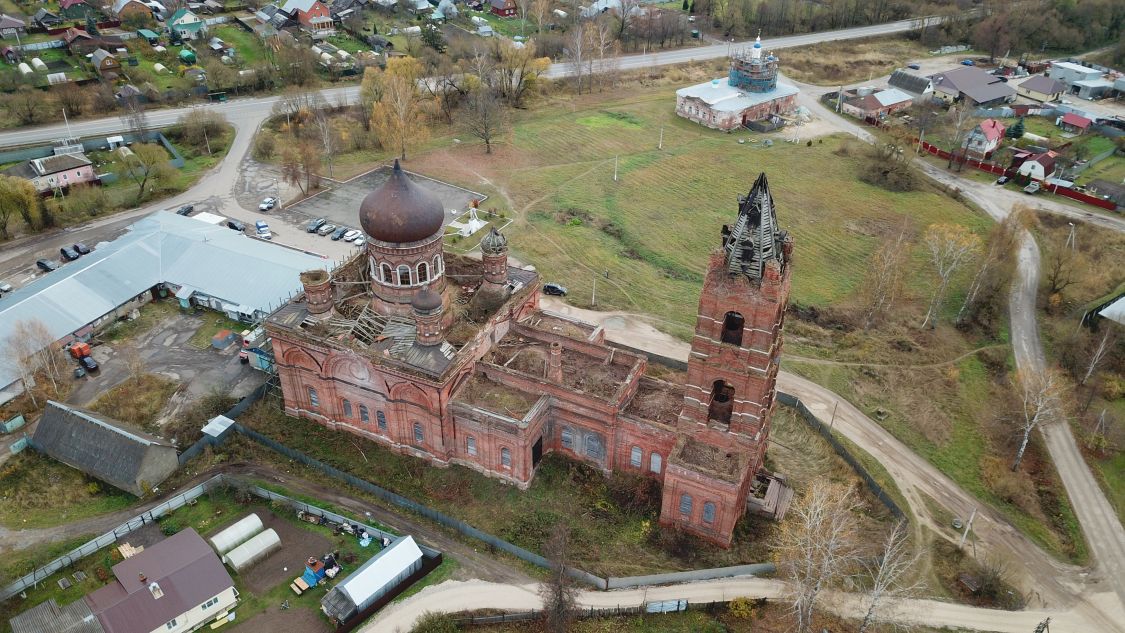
(741, 608)
(886, 169)
(634, 492)
(264, 145)
(435, 623)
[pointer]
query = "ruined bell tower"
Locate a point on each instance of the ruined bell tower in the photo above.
(735, 354)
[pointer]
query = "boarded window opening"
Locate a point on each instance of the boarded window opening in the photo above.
(471, 444)
(685, 505)
(635, 457)
(709, 512)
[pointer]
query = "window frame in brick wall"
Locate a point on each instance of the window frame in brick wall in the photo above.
(709, 512)
(364, 414)
(505, 457)
(636, 457)
(381, 419)
(347, 408)
(471, 445)
(686, 503)
(567, 438)
(314, 397)
(655, 463)
(419, 434)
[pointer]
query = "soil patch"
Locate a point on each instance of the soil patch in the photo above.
(296, 546)
(278, 619)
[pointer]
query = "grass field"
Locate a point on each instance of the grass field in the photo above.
(213, 322)
(137, 401)
(248, 48)
(1111, 170)
(845, 62)
(653, 228)
(40, 492)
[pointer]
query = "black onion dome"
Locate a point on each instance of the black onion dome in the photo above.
(400, 211)
(494, 243)
(426, 301)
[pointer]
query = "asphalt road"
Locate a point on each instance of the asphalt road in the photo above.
(253, 110)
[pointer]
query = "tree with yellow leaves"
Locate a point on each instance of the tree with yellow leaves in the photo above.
(950, 247)
(399, 116)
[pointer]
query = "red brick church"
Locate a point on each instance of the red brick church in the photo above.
(449, 359)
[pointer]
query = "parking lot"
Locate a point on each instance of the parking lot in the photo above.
(339, 202)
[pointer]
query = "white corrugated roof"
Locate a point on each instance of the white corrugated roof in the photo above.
(720, 96)
(383, 568)
(162, 247)
(1115, 311)
(891, 96)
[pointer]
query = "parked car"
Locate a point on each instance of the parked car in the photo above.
(351, 235)
(235, 225)
(47, 265)
(5, 287)
(267, 204)
(69, 254)
(554, 289)
(79, 372)
(914, 66)
(967, 62)
(360, 241)
(313, 225)
(88, 363)
(340, 232)
(82, 249)
(186, 209)
(263, 230)
(1032, 188)
(327, 229)
(1002, 180)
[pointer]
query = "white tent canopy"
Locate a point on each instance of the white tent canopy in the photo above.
(1114, 311)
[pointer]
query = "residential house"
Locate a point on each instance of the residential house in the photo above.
(972, 85)
(175, 586)
(312, 15)
(45, 19)
(10, 54)
(983, 139)
(1041, 88)
(866, 103)
(79, 42)
(105, 62)
(504, 8)
(1036, 166)
(273, 16)
(11, 27)
(75, 9)
(1074, 123)
(108, 450)
(54, 172)
(125, 9)
(920, 88)
(187, 25)
(220, 48)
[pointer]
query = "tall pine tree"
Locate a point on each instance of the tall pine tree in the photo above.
(1016, 131)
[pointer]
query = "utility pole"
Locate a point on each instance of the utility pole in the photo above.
(594, 293)
(1070, 241)
(1044, 626)
(614, 169)
(968, 526)
(832, 423)
(660, 145)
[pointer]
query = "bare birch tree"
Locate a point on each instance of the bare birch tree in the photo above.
(890, 575)
(577, 46)
(20, 351)
(1040, 399)
(1002, 243)
(558, 591)
(48, 357)
(818, 547)
(1099, 354)
(540, 9)
(884, 278)
(484, 116)
(950, 247)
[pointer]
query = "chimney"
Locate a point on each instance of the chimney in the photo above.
(318, 291)
(554, 364)
(142, 578)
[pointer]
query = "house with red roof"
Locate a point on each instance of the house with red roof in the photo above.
(1036, 166)
(983, 139)
(1074, 123)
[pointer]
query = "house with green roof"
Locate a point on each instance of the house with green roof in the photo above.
(187, 25)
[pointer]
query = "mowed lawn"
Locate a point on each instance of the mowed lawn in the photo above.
(651, 231)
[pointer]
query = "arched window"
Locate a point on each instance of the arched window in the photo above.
(439, 265)
(568, 438)
(594, 447)
(471, 445)
(655, 463)
(635, 457)
(732, 328)
(722, 402)
(364, 416)
(314, 400)
(347, 409)
(505, 458)
(423, 272)
(419, 436)
(709, 512)
(404, 275)
(388, 274)
(685, 505)
(382, 420)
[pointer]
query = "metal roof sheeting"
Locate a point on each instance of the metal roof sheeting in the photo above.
(160, 248)
(385, 567)
(1115, 311)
